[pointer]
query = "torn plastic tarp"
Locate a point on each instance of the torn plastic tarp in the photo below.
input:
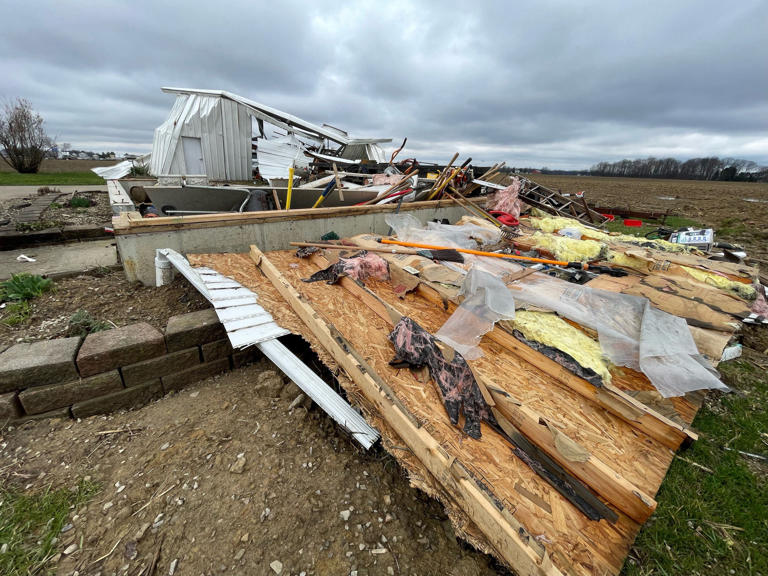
(631, 333)
(408, 228)
(486, 301)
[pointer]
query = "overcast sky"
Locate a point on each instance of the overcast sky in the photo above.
(543, 83)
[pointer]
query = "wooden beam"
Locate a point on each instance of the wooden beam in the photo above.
(339, 185)
(138, 225)
(503, 532)
(596, 474)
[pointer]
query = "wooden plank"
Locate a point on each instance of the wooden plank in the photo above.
(124, 225)
(509, 538)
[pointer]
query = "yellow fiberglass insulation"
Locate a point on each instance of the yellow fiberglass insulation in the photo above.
(569, 249)
(553, 331)
(746, 291)
(552, 224)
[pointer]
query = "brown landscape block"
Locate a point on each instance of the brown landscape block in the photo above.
(246, 356)
(126, 398)
(147, 370)
(216, 350)
(46, 398)
(178, 380)
(38, 363)
(9, 407)
(187, 330)
(58, 413)
(104, 351)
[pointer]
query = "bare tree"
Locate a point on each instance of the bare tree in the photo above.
(23, 141)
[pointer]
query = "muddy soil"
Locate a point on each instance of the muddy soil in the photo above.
(107, 297)
(226, 477)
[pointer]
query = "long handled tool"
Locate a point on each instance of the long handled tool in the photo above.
(330, 187)
(578, 265)
(408, 174)
(449, 178)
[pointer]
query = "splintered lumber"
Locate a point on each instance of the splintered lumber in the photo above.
(596, 474)
(504, 533)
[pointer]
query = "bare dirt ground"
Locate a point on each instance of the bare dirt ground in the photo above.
(738, 211)
(226, 478)
(107, 297)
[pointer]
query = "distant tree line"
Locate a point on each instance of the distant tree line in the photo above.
(711, 168)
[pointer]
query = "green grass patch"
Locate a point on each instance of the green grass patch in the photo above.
(31, 523)
(37, 226)
(49, 179)
(24, 287)
(714, 523)
(731, 227)
(81, 323)
(16, 313)
(79, 202)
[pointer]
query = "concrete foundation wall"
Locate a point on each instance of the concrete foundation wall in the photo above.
(137, 250)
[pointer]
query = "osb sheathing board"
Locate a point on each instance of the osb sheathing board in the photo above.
(577, 544)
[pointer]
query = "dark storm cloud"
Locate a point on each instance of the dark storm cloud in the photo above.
(556, 83)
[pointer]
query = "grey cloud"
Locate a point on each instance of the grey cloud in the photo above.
(550, 82)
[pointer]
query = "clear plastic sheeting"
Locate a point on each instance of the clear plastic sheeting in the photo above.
(486, 301)
(669, 357)
(409, 229)
(631, 332)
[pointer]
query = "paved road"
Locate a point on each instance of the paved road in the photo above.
(59, 258)
(12, 192)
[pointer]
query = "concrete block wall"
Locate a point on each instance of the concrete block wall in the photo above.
(119, 368)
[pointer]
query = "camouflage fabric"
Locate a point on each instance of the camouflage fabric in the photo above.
(307, 251)
(457, 384)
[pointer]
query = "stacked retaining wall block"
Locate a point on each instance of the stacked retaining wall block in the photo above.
(115, 369)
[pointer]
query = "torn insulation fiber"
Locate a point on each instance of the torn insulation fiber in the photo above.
(507, 200)
(360, 267)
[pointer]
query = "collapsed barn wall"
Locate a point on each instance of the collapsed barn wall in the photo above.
(220, 128)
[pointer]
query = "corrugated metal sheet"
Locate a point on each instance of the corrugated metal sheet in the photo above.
(121, 169)
(248, 324)
(272, 115)
(277, 155)
(224, 130)
(222, 122)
